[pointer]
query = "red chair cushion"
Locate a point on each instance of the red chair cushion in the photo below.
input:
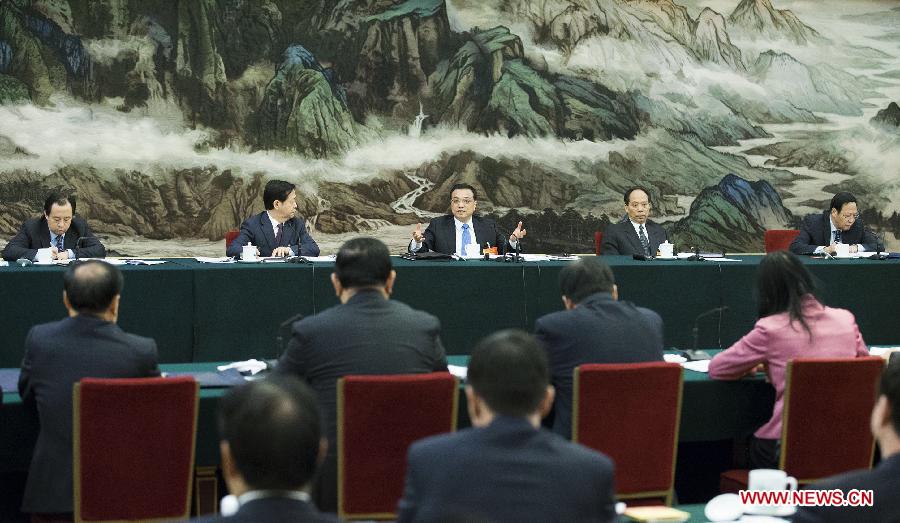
(827, 408)
(598, 240)
(630, 412)
(734, 480)
(229, 237)
(135, 447)
(779, 239)
(378, 418)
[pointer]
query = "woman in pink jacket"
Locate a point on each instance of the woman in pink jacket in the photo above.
(792, 324)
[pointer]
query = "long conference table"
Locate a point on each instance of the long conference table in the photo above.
(207, 312)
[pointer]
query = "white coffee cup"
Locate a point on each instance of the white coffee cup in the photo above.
(770, 479)
(472, 249)
(248, 252)
(44, 256)
(666, 249)
(842, 250)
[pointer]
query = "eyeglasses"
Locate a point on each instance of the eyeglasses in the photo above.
(850, 216)
(457, 201)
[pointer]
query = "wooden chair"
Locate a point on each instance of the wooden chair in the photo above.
(133, 448)
(825, 427)
(378, 418)
(779, 239)
(631, 412)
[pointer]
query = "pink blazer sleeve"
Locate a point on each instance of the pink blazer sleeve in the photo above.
(746, 353)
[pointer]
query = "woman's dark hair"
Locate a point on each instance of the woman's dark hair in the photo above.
(782, 282)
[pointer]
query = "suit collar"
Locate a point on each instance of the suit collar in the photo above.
(44, 237)
(366, 296)
(597, 297)
(510, 424)
(266, 224)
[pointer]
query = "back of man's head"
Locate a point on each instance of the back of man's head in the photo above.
(509, 371)
(890, 389)
(585, 276)
(273, 429)
(92, 285)
(363, 262)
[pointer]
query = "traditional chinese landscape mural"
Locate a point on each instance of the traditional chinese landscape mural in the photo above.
(168, 116)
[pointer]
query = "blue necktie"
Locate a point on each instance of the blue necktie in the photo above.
(466, 239)
(59, 243)
(837, 236)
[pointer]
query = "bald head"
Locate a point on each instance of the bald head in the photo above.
(92, 287)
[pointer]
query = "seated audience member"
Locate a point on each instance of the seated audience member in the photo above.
(368, 333)
(58, 229)
(448, 234)
(277, 231)
(271, 444)
(820, 232)
(57, 355)
(594, 328)
(636, 234)
(792, 324)
(884, 479)
(507, 468)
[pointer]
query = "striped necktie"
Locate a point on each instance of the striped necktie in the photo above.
(644, 242)
(59, 243)
(837, 236)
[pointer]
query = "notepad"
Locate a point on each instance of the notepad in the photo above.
(656, 513)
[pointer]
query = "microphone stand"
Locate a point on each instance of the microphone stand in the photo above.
(279, 339)
(694, 354)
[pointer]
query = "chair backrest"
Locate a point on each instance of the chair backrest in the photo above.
(631, 412)
(230, 236)
(598, 239)
(779, 239)
(378, 418)
(827, 404)
(133, 448)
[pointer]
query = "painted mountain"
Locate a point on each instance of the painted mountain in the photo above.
(168, 116)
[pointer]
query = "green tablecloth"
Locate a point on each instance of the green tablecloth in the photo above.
(205, 312)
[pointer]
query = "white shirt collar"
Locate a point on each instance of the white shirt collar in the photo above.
(459, 224)
(253, 495)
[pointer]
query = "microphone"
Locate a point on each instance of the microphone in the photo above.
(487, 255)
(695, 354)
(696, 257)
(78, 245)
(879, 240)
(518, 249)
(285, 325)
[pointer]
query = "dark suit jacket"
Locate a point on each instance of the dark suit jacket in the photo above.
(258, 230)
(816, 230)
(275, 510)
(507, 471)
(620, 238)
(883, 480)
(440, 235)
(35, 234)
(598, 330)
(366, 335)
(57, 355)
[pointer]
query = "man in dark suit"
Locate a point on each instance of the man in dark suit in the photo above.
(594, 328)
(883, 480)
(57, 355)
(449, 234)
(277, 231)
(368, 333)
(271, 444)
(635, 234)
(58, 230)
(507, 468)
(820, 232)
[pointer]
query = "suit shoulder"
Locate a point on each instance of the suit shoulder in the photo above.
(578, 454)
(439, 445)
(440, 220)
